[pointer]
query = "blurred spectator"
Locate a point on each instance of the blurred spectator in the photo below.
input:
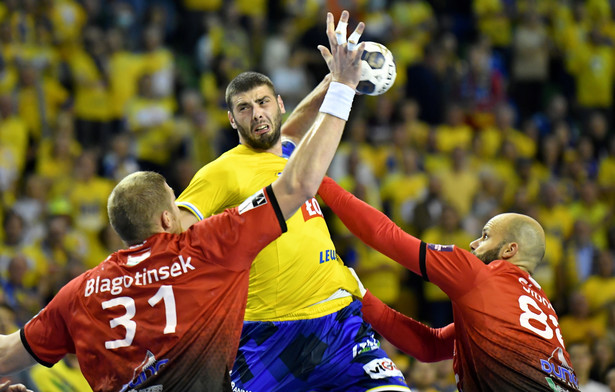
(493, 21)
(427, 84)
(578, 325)
(604, 358)
(592, 64)
(556, 112)
(400, 189)
(412, 128)
(429, 208)
(64, 376)
(381, 275)
(150, 120)
(481, 86)
(57, 154)
(24, 300)
(591, 209)
(32, 206)
(68, 17)
(14, 147)
(459, 172)
(597, 129)
(454, 133)
(580, 253)
(39, 100)
(553, 214)
(87, 193)
(610, 378)
(422, 376)
(158, 62)
(599, 288)
(582, 360)
(123, 70)
(119, 161)
(91, 89)
(606, 173)
(530, 65)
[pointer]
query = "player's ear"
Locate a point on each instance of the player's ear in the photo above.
(281, 104)
(231, 119)
(166, 220)
(509, 250)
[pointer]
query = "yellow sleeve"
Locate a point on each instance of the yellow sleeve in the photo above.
(212, 189)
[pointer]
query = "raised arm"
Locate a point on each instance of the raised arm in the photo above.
(410, 336)
(307, 166)
(303, 116)
(13, 355)
(372, 226)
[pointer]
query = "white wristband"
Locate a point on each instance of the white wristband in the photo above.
(338, 100)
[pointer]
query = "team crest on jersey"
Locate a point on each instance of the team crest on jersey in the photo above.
(311, 209)
(256, 200)
(148, 368)
(441, 248)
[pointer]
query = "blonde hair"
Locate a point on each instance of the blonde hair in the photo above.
(134, 204)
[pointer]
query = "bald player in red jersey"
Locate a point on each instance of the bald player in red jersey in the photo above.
(505, 335)
(166, 313)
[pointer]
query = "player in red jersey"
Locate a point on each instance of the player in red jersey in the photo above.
(505, 335)
(166, 313)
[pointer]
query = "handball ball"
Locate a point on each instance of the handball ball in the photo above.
(378, 70)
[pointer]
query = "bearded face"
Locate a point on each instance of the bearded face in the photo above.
(257, 116)
(262, 134)
(490, 255)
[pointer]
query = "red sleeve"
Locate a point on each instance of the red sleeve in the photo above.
(46, 336)
(452, 269)
(234, 237)
(410, 336)
(373, 227)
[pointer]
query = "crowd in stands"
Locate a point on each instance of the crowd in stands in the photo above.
(499, 105)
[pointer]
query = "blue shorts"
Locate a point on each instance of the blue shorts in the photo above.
(337, 352)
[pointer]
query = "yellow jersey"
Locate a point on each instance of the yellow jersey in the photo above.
(298, 275)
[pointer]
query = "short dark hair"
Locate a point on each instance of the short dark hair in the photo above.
(133, 204)
(243, 82)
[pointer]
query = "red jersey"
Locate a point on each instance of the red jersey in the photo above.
(165, 315)
(506, 333)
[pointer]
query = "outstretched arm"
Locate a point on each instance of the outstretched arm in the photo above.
(304, 115)
(372, 226)
(13, 355)
(410, 336)
(305, 169)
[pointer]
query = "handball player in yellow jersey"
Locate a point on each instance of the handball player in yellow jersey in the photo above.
(303, 328)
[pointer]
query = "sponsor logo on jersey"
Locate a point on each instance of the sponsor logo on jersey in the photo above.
(327, 255)
(382, 368)
(441, 248)
(256, 200)
(557, 367)
(311, 209)
(370, 344)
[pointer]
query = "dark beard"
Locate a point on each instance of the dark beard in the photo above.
(490, 255)
(263, 142)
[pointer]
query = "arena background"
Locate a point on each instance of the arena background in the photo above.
(499, 105)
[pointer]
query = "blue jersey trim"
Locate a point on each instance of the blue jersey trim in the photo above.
(288, 146)
(191, 207)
